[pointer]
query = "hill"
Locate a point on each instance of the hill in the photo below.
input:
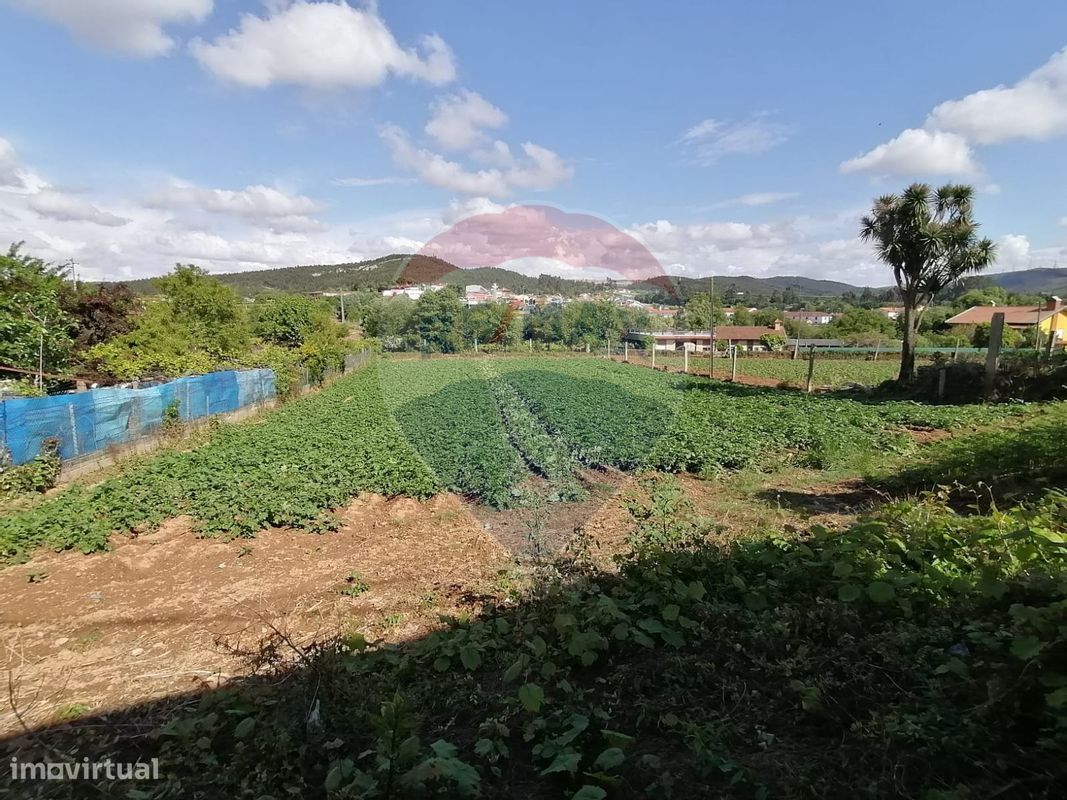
(380, 273)
(1047, 280)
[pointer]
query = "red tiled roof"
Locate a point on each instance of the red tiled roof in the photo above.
(1013, 315)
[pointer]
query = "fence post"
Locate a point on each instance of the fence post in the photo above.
(956, 350)
(733, 371)
(996, 332)
(653, 355)
(1049, 344)
(877, 347)
(796, 347)
(941, 375)
(685, 359)
(626, 350)
(811, 369)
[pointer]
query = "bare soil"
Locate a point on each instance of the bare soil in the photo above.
(163, 613)
(168, 613)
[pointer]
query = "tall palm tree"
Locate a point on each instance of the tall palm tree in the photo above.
(930, 240)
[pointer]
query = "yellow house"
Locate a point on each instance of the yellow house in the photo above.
(1050, 318)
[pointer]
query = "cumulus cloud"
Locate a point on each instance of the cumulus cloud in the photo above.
(10, 168)
(710, 140)
(917, 152)
(67, 207)
(132, 27)
(320, 45)
(254, 203)
(1033, 108)
(1013, 250)
(541, 168)
(458, 121)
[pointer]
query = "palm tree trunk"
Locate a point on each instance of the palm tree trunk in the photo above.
(907, 350)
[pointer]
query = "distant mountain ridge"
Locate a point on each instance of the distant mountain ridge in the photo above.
(380, 273)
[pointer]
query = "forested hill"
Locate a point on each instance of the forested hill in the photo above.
(380, 273)
(391, 270)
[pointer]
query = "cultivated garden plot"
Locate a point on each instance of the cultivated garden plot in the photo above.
(414, 428)
(667, 648)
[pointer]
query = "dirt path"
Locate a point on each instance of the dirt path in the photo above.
(163, 613)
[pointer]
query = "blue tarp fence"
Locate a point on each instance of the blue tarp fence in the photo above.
(90, 421)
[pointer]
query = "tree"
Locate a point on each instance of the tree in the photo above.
(289, 319)
(197, 325)
(99, 313)
(436, 320)
(860, 321)
(704, 311)
(34, 328)
(929, 239)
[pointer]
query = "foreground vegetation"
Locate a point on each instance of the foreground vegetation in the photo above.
(916, 653)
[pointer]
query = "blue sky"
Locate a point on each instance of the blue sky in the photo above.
(730, 137)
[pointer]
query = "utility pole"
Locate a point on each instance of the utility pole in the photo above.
(711, 369)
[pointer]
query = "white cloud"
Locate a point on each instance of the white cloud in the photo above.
(710, 140)
(1063, 222)
(541, 169)
(69, 208)
(320, 45)
(1013, 250)
(458, 121)
(1033, 108)
(256, 203)
(390, 180)
(133, 27)
(10, 168)
(917, 152)
(759, 198)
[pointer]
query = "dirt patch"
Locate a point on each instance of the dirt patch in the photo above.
(161, 613)
(546, 528)
(926, 435)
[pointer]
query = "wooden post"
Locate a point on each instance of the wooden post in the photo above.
(531, 347)
(711, 369)
(811, 369)
(626, 350)
(1051, 342)
(996, 333)
(941, 375)
(733, 373)
(607, 346)
(796, 347)
(877, 347)
(956, 350)
(685, 359)
(653, 355)
(475, 344)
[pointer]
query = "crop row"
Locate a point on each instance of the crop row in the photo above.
(447, 413)
(549, 456)
(312, 455)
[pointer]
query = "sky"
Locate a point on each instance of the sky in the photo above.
(733, 138)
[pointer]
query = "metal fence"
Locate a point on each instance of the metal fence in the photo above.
(87, 422)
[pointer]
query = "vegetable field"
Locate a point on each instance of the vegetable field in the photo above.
(492, 430)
